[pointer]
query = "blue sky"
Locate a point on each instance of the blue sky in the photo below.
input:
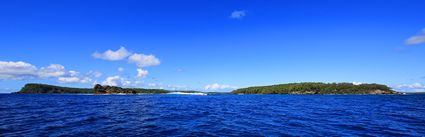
(212, 45)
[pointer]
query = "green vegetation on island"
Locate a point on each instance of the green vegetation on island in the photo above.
(99, 89)
(318, 88)
(33, 88)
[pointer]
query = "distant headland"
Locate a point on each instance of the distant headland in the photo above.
(291, 88)
(318, 88)
(33, 88)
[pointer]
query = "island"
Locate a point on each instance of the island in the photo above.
(99, 89)
(34, 88)
(318, 88)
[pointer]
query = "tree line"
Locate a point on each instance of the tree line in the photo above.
(35, 88)
(317, 88)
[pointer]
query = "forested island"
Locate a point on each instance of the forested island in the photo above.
(99, 89)
(318, 88)
(33, 88)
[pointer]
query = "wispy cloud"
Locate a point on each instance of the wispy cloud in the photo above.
(74, 79)
(95, 74)
(238, 14)
(219, 87)
(110, 55)
(414, 87)
(416, 39)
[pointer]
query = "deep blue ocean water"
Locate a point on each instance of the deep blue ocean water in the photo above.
(212, 115)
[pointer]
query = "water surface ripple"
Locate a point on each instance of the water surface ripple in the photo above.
(212, 115)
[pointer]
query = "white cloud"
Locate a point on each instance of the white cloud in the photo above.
(17, 70)
(416, 39)
(238, 14)
(416, 87)
(69, 79)
(142, 73)
(53, 70)
(217, 87)
(112, 81)
(142, 60)
(58, 71)
(120, 69)
(22, 70)
(357, 83)
(73, 73)
(118, 81)
(112, 55)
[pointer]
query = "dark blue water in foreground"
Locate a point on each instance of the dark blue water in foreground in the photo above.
(213, 115)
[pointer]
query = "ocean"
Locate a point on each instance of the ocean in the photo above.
(212, 115)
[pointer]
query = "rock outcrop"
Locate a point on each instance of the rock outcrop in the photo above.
(99, 89)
